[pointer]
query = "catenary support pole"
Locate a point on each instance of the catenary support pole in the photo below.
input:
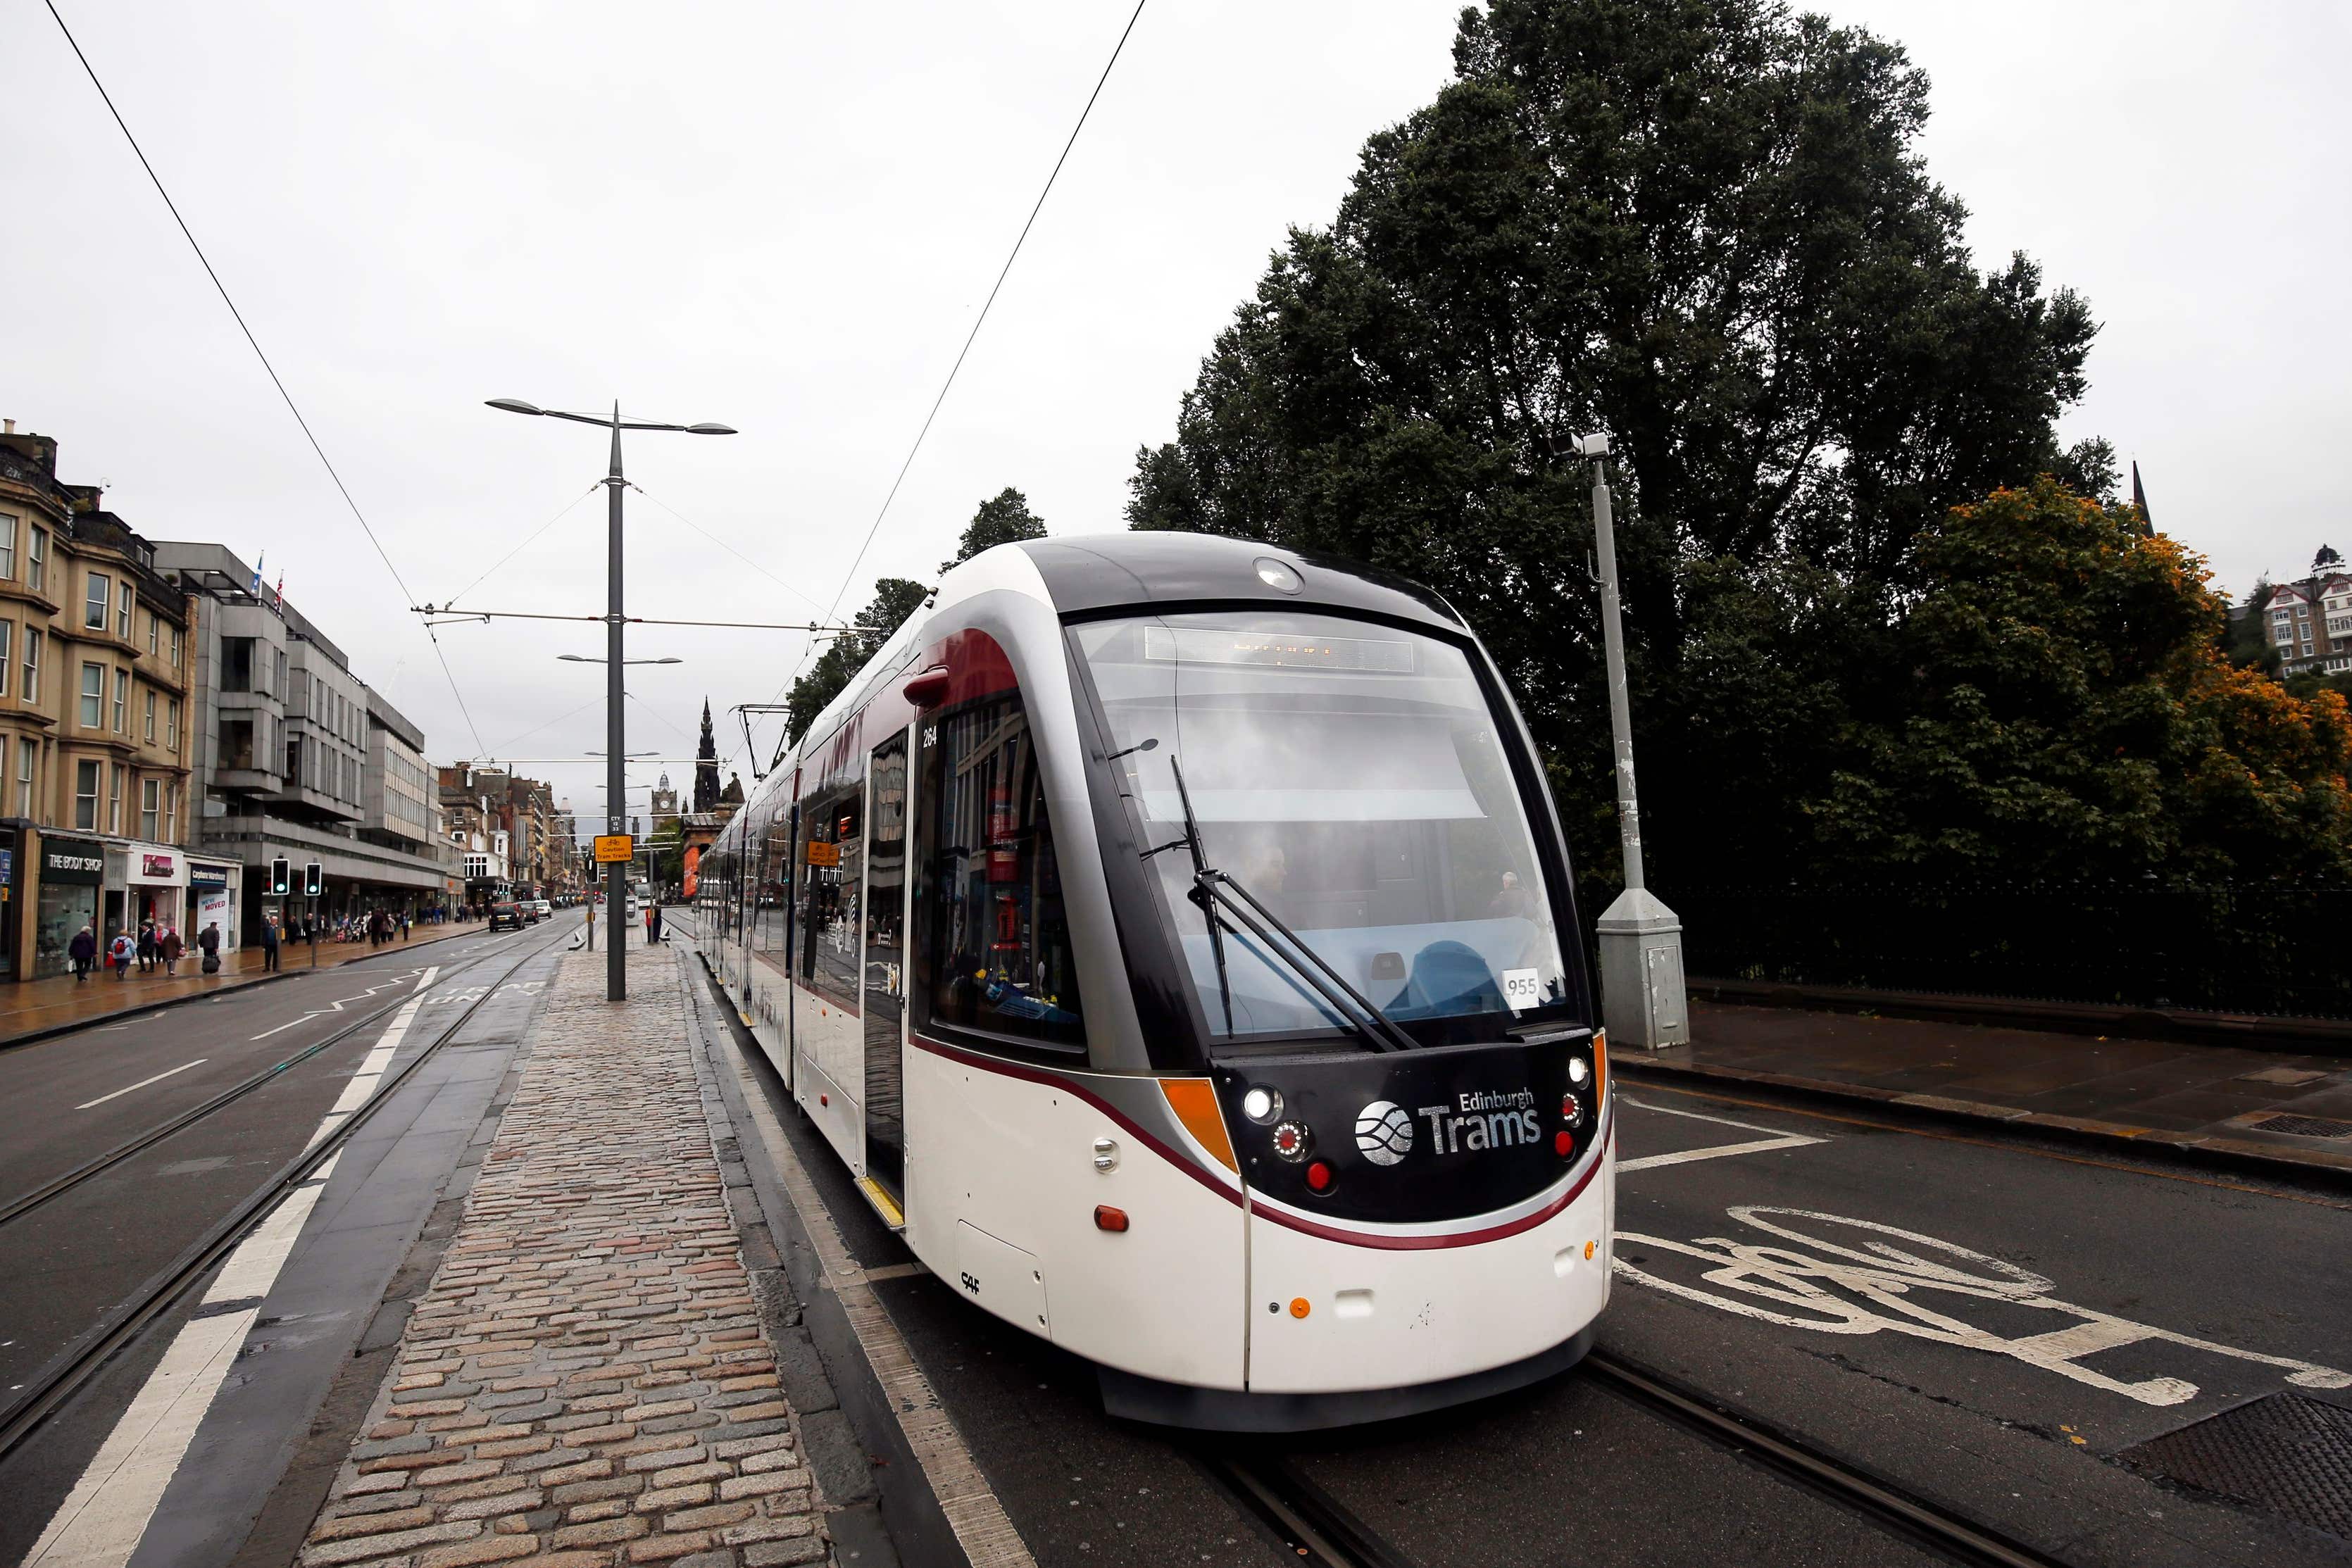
(616, 875)
(1643, 999)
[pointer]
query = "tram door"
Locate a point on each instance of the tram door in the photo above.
(884, 985)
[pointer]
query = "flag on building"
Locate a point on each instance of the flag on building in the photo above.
(257, 572)
(281, 591)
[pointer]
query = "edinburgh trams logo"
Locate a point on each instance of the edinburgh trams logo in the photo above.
(1384, 1132)
(1477, 1120)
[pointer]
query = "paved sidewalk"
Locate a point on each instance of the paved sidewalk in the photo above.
(41, 1004)
(2271, 1105)
(586, 1384)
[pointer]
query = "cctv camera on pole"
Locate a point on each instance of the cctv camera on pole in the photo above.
(1641, 997)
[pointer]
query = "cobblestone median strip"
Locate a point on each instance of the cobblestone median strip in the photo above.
(586, 1383)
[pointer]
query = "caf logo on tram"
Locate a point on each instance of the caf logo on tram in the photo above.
(1155, 926)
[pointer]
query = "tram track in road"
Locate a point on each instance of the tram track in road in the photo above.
(1321, 1528)
(48, 1389)
(65, 1182)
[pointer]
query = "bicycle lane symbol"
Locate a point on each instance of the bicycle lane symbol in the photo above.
(1811, 1282)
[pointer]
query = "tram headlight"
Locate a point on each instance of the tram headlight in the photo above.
(1261, 1105)
(1576, 1072)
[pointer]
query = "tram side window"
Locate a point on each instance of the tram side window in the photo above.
(833, 861)
(769, 894)
(993, 940)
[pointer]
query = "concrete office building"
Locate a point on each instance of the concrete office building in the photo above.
(283, 734)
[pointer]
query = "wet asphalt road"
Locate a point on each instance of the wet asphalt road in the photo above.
(58, 1277)
(1859, 1287)
(65, 1264)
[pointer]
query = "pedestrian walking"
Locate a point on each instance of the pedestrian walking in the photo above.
(404, 926)
(171, 947)
(269, 946)
(654, 923)
(146, 947)
(209, 939)
(125, 948)
(83, 951)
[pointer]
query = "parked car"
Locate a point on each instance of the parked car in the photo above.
(542, 908)
(508, 917)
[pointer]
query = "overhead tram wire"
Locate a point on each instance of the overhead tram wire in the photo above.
(859, 559)
(527, 542)
(140, 153)
(722, 544)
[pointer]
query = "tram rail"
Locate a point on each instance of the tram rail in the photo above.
(1322, 1530)
(48, 1389)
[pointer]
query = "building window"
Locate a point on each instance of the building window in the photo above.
(86, 795)
(237, 745)
(121, 701)
(154, 631)
(171, 815)
(237, 664)
(7, 635)
(294, 761)
(93, 696)
(28, 757)
(7, 545)
(176, 647)
(172, 724)
(93, 612)
(122, 611)
(150, 718)
(36, 561)
(280, 688)
(114, 798)
(32, 692)
(151, 807)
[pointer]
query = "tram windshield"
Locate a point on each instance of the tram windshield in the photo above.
(1351, 778)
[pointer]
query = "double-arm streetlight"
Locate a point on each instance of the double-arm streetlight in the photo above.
(616, 875)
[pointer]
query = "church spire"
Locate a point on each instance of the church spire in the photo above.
(706, 766)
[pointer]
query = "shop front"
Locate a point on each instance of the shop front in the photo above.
(73, 871)
(11, 901)
(146, 884)
(215, 889)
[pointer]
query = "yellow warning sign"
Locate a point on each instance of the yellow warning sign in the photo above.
(614, 847)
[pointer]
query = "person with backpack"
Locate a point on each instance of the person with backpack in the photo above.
(209, 940)
(83, 951)
(124, 948)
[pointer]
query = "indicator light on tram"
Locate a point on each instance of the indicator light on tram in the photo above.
(1299, 1307)
(1318, 1177)
(1563, 1144)
(1109, 1219)
(1291, 1142)
(1261, 1105)
(1572, 1109)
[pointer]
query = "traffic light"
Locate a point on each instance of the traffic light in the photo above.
(314, 882)
(277, 879)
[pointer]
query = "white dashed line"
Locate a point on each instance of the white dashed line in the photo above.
(142, 1084)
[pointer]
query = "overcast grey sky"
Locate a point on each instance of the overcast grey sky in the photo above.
(785, 217)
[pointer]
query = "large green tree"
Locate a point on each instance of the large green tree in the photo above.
(2065, 711)
(1003, 518)
(895, 598)
(1705, 226)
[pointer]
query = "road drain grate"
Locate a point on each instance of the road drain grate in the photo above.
(2307, 1126)
(2286, 1453)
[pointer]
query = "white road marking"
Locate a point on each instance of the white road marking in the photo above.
(1817, 1287)
(1779, 1140)
(104, 1518)
(142, 1084)
(281, 1028)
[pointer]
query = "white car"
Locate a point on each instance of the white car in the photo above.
(545, 909)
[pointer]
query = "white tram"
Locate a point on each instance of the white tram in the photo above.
(1175, 937)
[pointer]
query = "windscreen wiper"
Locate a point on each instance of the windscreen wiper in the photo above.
(1216, 892)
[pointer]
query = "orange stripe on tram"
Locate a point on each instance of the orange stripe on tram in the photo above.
(1194, 1101)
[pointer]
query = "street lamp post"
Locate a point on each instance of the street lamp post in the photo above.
(1643, 999)
(616, 879)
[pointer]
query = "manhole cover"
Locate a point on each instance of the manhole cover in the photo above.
(2307, 1126)
(2290, 1076)
(2285, 1452)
